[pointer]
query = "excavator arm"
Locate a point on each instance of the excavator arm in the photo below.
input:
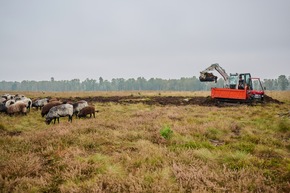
(206, 76)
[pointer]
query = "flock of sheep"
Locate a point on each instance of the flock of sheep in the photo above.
(51, 109)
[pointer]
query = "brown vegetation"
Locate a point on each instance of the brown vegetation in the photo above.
(136, 146)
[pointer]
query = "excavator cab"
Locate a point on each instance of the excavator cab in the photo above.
(240, 81)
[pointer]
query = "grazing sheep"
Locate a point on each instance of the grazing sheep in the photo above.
(8, 96)
(3, 100)
(3, 108)
(26, 100)
(19, 96)
(79, 105)
(88, 110)
(19, 107)
(59, 111)
(45, 109)
(9, 102)
(39, 103)
(4, 97)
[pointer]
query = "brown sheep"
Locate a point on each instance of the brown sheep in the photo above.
(45, 109)
(19, 107)
(88, 110)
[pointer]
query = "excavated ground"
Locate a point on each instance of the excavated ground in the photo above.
(157, 100)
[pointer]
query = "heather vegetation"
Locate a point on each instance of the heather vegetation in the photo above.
(136, 147)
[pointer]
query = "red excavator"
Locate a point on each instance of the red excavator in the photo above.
(237, 87)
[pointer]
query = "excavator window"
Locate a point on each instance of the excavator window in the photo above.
(233, 81)
(241, 82)
(248, 81)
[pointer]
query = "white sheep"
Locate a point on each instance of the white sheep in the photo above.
(39, 103)
(9, 102)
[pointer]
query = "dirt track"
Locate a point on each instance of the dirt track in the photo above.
(157, 100)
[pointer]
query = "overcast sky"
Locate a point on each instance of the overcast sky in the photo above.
(168, 39)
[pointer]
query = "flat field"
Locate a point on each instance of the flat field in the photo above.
(149, 142)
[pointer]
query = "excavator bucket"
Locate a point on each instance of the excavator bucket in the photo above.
(208, 77)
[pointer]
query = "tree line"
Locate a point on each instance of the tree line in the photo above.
(121, 84)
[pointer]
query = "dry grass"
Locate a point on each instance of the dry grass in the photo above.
(229, 149)
(280, 95)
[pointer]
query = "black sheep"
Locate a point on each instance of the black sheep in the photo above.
(3, 108)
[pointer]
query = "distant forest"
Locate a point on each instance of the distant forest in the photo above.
(121, 84)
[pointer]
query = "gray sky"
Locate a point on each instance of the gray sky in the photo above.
(169, 39)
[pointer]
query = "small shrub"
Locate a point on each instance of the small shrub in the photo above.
(166, 132)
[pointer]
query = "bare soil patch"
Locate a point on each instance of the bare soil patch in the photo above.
(157, 100)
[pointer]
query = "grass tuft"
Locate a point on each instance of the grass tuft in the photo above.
(236, 160)
(166, 132)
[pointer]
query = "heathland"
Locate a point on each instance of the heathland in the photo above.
(149, 142)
